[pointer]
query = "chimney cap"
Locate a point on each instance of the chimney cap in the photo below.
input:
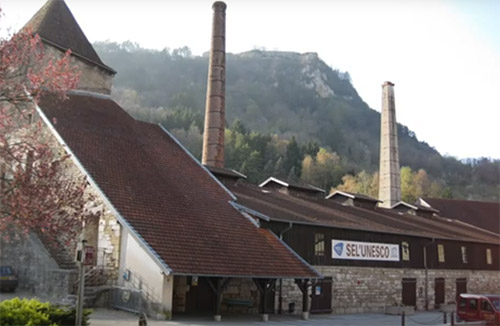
(388, 83)
(219, 5)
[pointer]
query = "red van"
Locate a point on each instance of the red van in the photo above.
(475, 307)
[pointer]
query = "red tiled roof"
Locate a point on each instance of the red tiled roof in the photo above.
(57, 26)
(485, 215)
(323, 212)
(170, 200)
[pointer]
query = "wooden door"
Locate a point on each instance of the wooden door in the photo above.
(410, 291)
(270, 299)
(321, 297)
(461, 286)
(438, 292)
(200, 298)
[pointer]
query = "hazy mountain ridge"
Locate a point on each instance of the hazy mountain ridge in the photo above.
(282, 93)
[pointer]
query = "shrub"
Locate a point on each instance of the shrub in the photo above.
(33, 312)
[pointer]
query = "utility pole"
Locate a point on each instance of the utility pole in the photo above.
(81, 283)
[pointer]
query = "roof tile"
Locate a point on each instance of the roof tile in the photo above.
(167, 197)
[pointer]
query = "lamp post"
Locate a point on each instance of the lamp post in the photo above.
(81, 283)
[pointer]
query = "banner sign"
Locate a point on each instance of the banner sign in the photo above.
(342, 249)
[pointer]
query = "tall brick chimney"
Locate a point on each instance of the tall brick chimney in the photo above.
(213, 136)
(390, 179)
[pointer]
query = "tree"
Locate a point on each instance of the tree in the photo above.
(322, 171)
(408, 192)
(418, 184)
(293, 158)
(361, 183)
(36, 193)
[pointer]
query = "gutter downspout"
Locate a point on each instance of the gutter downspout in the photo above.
(280, 307)
(426, 292)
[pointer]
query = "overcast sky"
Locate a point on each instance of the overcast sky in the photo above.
(443, 56)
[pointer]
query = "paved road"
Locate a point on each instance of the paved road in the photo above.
(105, 317)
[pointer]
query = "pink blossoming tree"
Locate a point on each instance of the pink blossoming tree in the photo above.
(36, 192)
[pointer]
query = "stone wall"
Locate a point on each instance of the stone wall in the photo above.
(241, 289)
(108, 244)
(179, 294)
(291, 295)
(363, 289)
(92, 78)
(37, 270)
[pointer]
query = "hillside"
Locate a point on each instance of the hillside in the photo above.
(277, 96)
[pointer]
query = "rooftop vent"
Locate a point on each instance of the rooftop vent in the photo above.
(293, 189)
(353, 199)
(414, 209)
(225, 174)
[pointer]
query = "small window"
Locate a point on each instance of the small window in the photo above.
(485, 306)
(319, 244)
(464, 254)
(473, 304)
(406, 250)
(440, 253)
(488, 257)
(463, 303)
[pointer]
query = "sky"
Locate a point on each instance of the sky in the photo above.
(442, 55)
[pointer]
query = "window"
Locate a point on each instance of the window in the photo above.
(488, 257)
(464, 254)
(463, 303)
(473, 304)
(319, 244)
(405, 248)
(440, 253)
(485, 306)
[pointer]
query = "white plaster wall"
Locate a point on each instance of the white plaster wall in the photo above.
(145, 274)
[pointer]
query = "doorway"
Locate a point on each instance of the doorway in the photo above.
(409, 291)
(461, 286)
(438, 292)
(321, 297)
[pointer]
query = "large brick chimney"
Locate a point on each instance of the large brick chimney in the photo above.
(390, 179)
(213, 136)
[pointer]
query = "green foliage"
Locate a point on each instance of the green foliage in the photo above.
(276, 116)
(292, 160)
(33, 312)
(413, 185)
(324, 170)
(361, 183)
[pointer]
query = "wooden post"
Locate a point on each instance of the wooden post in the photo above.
(218, 284)
(280, 300)
(304, 286)
(265, 286)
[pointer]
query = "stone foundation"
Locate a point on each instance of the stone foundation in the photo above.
(363, 289)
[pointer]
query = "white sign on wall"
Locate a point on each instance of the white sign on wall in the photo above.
(342, 249)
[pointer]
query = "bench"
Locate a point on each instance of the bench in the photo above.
(237, 303)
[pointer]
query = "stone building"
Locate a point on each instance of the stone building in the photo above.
(373, 253)
(169, 238)
(178, 236)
